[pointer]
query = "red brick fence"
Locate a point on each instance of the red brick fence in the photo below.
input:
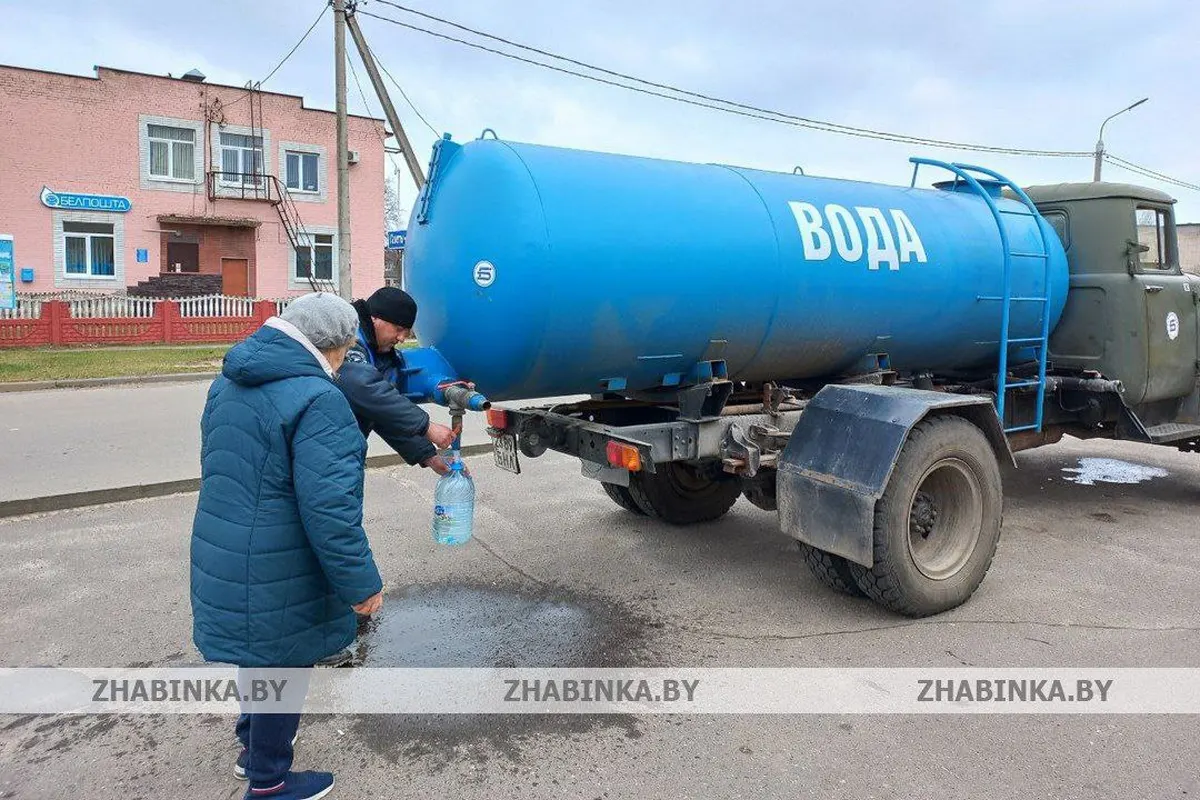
(132, 320)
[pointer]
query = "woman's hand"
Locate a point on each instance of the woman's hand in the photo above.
(371, 605)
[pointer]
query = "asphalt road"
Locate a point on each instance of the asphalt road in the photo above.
(72, 440)
(1095, 576)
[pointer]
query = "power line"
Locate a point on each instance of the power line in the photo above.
(363, 95)
(284, 60)
(1146, 172)
(700, 100)
(296, 47)
(403, 94)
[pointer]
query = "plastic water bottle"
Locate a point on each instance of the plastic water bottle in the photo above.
(453, 506)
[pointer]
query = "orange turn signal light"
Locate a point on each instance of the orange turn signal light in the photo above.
(497, 418)
(624, 456)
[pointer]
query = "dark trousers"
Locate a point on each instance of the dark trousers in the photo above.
(267, 739)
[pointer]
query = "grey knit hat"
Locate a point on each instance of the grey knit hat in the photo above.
(326, 320)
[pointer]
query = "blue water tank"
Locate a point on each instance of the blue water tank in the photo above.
(543, 271)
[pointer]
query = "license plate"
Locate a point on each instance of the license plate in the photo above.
(504, 451)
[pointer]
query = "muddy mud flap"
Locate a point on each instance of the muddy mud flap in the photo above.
(842, 453)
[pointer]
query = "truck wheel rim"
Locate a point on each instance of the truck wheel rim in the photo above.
(686, 479)
(944, 519)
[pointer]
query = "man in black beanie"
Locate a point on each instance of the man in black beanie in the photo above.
(368, 379)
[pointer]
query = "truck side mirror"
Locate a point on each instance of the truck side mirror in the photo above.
(1133, 249)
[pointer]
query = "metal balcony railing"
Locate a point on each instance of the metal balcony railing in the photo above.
(242, 186)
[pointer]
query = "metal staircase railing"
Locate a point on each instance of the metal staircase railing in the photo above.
(1040, 343)
(261, 186)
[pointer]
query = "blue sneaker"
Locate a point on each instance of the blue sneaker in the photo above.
(296, 786)
(243, 761)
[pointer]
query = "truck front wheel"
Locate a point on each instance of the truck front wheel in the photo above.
(684, 494)
(938, 522)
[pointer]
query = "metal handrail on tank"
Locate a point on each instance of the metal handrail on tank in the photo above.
(962, 172)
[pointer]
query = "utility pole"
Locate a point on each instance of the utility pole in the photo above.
(385, 100)
(345, 283)
(403, 282)
(1099, 161)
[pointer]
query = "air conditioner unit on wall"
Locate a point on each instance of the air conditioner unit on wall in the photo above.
(352, 156)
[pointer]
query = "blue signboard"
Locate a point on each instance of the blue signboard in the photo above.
(396, 239)
(8, 284)
(143, 255)
(85, 202)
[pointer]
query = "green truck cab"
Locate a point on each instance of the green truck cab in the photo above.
(1131, 314)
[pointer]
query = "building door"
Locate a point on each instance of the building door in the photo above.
(235, 277)
(183, 257)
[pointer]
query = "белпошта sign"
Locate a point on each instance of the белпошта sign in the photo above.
(85, 202)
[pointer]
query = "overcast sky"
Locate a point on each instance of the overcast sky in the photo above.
(1016, 73)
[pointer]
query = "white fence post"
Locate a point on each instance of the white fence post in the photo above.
(28, 307)
(126, 307)
(216, 305)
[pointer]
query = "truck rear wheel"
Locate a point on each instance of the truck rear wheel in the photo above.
(831, 570)
(621, 496)
(683, 494)
(938, 522)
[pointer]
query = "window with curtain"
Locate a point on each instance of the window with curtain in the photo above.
(88, 249)
(241, 159)
(301, 171)
(172, 152)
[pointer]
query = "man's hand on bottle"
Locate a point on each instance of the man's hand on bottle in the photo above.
(440, 436)
(439, 465)
(371, 605)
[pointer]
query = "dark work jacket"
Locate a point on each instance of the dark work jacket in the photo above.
(368, 379)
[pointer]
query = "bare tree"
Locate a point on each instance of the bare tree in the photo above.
(395, 215)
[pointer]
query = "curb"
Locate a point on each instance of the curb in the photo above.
(122, 494)
(93, 383)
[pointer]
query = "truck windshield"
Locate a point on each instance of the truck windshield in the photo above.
(1152, 228)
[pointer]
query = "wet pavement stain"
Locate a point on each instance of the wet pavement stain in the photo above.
(1111, 470)
(488, 626)
(456, 625)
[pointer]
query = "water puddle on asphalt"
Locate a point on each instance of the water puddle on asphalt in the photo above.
(1111, 470)
(465, 626)
(450, 625)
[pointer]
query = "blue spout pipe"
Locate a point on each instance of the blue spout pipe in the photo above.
(428, 377)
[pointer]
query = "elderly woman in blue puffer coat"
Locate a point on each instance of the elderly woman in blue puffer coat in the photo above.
(280, 561)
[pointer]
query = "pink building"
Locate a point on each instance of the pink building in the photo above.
(168, 186)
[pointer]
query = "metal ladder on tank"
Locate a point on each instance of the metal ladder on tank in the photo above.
(963, 173)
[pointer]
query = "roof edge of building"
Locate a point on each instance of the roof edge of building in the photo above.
(98, 67)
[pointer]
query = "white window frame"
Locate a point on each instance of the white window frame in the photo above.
(308, 239)
(242, 150)
(299, 195)
(171, 161)
(90, 238)
(163, 183)
(300, 156)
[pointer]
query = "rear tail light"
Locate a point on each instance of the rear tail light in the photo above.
(624, 456)
(497, 418)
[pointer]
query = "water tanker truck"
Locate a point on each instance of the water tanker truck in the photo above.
(859, 358)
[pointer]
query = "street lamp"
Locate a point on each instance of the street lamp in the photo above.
(1100, 140)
